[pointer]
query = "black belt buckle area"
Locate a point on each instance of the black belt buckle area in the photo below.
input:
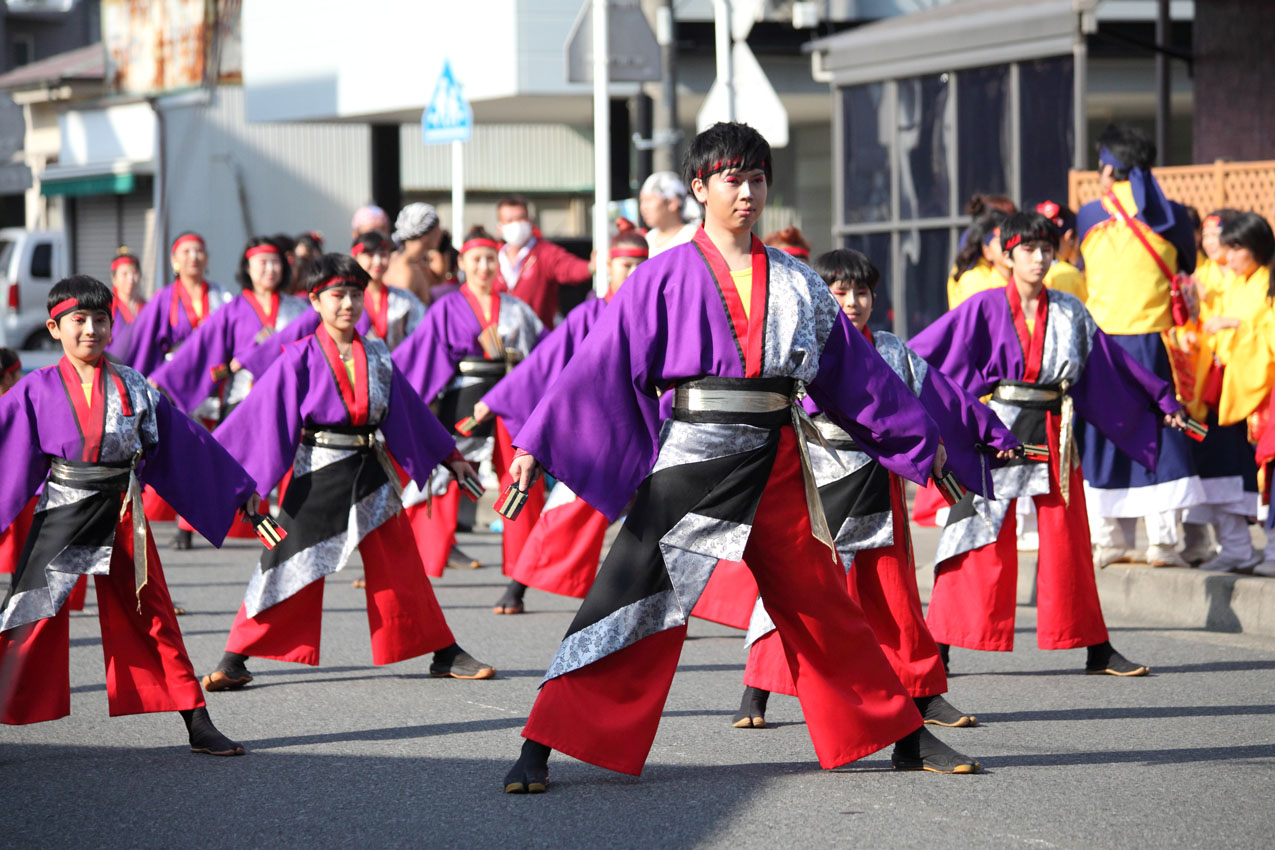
(511, 502)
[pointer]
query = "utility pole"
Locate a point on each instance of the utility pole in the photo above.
(1163, 81)
(666, 132)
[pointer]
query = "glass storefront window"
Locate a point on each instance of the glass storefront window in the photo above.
(867, 154)
(876, 247)
(983, 131)
(923, 138)
(927, 258)
(1046, 89)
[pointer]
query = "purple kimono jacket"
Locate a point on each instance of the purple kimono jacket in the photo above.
(264, 433)
(236, 329)
(258, 358)
(977, 347)
(517, 395)
(596, 428)
(159, 330)
(181, 460)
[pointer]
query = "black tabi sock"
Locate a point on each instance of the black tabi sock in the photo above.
(753, 703)
(1100, 655)
(945, 652)
(447, 654)
(531, 769)
(923, 744)
(936, 709)
(232, 664)
(204, 735)
(516, 590)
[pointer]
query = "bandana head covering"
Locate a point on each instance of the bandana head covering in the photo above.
(1153, 206)
(414, 221)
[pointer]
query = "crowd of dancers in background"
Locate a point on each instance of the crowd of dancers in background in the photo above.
(726, 397)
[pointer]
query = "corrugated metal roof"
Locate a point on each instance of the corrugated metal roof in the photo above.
(504, 158)
(83, 63)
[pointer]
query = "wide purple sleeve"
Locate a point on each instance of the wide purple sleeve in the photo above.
(426, 358)
(970, 430)
(264, 430)
(1123, 399)
(187, 377)
(857, 390)
(24, 463)
(517, 394)
(956, 344)
(413, 434)
(258, 359)
(595, 428)
(152, 335)
(194, 474)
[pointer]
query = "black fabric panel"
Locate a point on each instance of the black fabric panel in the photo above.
(316, 507)
(455, 405)
(964, 509)
(726, 488)
(88, 522)
(1029, 427)
(864, 492)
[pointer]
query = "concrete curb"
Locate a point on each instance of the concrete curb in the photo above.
(1178, 598)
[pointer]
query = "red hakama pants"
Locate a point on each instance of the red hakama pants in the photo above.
(13, 538)
(975, 593)
(607, 712)
(147, 668)
(883, 582)
(403, 614)
(436, 532)
(562, 552)
(729, 597)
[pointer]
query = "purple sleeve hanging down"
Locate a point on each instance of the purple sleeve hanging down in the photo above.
(263, 432)
(520, 391)
(965, 423)
(1123, 399)
(24, 462)
(857, 390)
(121, 335)
(187, 377)
(447, 335)
(194, 474)
(413, 434)
(152, 334)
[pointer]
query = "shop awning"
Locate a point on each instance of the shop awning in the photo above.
(107, 178)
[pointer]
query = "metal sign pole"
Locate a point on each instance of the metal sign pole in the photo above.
(601, 145)
(458, 192)
(721, 14)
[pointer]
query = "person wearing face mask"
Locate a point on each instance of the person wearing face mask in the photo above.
(531, 268)
(468, 341)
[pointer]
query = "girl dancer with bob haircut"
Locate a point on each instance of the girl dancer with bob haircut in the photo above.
(739, 331)
(329, 399)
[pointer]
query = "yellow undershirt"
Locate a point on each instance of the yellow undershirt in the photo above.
(349, 369)
(88, 393)
(743, 280)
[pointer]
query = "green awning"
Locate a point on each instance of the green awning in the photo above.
(98, 184)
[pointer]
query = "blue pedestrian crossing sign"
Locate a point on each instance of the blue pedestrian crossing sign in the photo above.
(448, 117)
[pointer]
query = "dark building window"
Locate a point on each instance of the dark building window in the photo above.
(1045, 102)
(867, 156)
(984, 130)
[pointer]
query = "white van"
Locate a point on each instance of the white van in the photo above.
(31, 261)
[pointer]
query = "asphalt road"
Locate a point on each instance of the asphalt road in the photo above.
(350, 755)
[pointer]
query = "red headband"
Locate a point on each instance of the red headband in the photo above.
(794, 250)
(189, 237)
(630, 251)
(358, 248)
(1012, 241)
(1211, 221)
(119, 261)
(338, 280)
(261, 249)
(63, 307)
(723, 164)
(1048, 209)
(480, 242)
(15, 366)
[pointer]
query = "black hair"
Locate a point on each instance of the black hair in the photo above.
(1028, 227)
(89, 293)
(312, 241)
(980, 228)
(241, 272)
(7, 358)
(849, 265)
(479, 232)
(514, 201)
(1130, 145)
(1249, 230)
(285, 243)
(981, 202)
(373, 241)
(336, 265)
(1224, 216)
(737, 144)
(1192, 213)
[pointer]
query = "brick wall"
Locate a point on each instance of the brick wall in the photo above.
(1234, 80)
